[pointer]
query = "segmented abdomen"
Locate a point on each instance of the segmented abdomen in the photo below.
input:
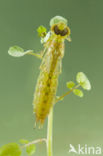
(45, 92)
(44, 95)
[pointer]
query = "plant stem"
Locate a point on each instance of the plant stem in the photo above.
(50, 128)
(35, 142)
(34, 54)
(61, 97)
(50, 124)
(49, 133)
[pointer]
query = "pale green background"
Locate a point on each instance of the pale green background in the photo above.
(76, 121)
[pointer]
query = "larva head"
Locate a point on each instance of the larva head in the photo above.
(59, 27)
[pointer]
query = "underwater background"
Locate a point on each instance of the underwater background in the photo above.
(76, 120)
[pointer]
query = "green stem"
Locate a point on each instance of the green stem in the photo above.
(67, 93)
(34, 54)
(34, 142)
(49, 133)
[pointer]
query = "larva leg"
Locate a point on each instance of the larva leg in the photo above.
(69, 38)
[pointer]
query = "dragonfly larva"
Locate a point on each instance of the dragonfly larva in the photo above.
(50, 68)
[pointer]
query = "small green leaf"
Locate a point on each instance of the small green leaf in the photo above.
(70, 84)
(30, 149)
(78, 92)
(83, 81)
(57, 19)
(41, 31)
(11, 149)
(16, 51)
(23, 141)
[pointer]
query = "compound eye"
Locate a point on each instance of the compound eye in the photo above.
(56, 30)
(64, 32)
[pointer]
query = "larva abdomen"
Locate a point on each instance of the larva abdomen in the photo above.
(44, 95)
(48, 80)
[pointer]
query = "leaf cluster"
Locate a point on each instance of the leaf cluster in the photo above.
(42, 31)
(14, 149)
(82, 81)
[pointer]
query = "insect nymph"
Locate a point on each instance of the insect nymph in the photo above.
(45, 92)
(50, 69)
